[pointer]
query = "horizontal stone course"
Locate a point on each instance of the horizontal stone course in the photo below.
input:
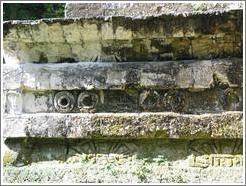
(188, 74)
(132, 100)
(125, 125)
(160, 38)
(201, 153)
(142, 10)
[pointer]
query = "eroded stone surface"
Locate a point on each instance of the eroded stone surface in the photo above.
(129, 100)
(129, 125)
(196, 142)
(127, 161)
(195, 153)
(166, 37)
(73, 10)
(189, 74)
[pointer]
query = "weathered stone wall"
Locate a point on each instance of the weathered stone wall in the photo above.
(126, 161)
(122, 87)
(166, 37)
(141, 10)
(125, 93)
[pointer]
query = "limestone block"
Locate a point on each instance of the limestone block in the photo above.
(159, 125)
(159, 75)
(107, 31)
(185, 77)
(115, 78)
(90, 32)
(37, 103)
(17, 127)
(149, 79)
(13, 103)
(182, 48)
(218, 130)
(204, 46)
(72, 33)
(122, 34)
(195, 36)
(41, 33)
(56, 34)
(130, 100)
(12, 77)
(136, 10)
(25, 33)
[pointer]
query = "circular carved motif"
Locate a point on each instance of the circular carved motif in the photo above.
(64, 101)
(87, 101)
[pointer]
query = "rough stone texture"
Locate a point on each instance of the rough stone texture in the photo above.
(229, 175)
(118, 172)
(189, 74)
(132, 100)
(185, 86)
(124, 39)
(53, 172)
(129, 125)
(73, 10)
(132, 114)
(124, 161)
(218, 152)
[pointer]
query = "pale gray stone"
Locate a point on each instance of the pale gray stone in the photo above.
(190, 74)
(74, 10)
(127, 125)
(230, 175)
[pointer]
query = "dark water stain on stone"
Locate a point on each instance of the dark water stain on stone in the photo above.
(43, 58)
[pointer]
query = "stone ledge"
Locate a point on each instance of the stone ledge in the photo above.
(188, 74)
(125, 125)
(142, 10)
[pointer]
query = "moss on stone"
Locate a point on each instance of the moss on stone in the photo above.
(9, 158)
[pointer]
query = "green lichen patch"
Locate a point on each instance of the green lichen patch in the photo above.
(9, 158)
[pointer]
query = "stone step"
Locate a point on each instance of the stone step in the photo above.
(188, 74)
(124, 125)
(117, 38)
